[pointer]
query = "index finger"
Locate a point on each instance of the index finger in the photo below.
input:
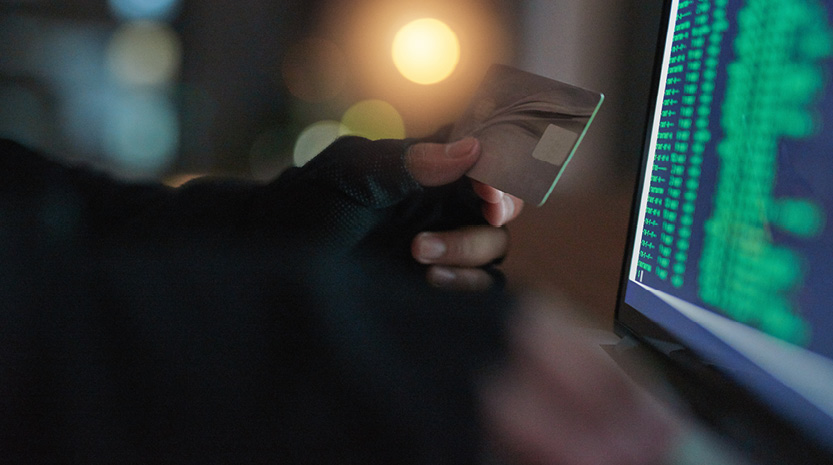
(499, 207)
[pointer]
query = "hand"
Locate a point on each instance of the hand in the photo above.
(382, 198)
(558, 400)
(455, 257)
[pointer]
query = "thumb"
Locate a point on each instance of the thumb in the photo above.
(434, 165)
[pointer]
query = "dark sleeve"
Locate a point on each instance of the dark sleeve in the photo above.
(267, 353)
(244, 346)
(97, 205)
(356, 195)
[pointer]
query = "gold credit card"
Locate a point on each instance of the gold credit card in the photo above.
(529, 127)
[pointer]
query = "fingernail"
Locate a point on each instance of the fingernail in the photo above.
(442, 277)
(501, 197)
(508, 208)
(429, 248)
(462, 148)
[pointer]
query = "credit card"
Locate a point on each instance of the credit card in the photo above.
(529, 127)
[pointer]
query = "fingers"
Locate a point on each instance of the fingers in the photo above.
(434, 165)
(559, 401)
(498, 214)
(470, 246)
(486, 192)
(456, 255)
(499, 208)
(460, 279)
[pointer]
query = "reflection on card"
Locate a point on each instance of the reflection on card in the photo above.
(529, 127)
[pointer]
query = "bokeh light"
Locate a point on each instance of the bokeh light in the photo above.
(144, 53)
(83, 115)
(315, 138)
(177, 180)
(366, 30)
(373, 119)
(426, 51)
(314, 70)
(142, 134)
(144, 9)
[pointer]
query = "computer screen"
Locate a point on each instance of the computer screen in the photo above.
(732, 240)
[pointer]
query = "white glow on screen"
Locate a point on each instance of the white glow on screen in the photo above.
(807, 373)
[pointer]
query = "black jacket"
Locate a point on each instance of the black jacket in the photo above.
(233, 322)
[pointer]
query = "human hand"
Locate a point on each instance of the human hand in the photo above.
(377, 198)
(558, 400)
(455, 258)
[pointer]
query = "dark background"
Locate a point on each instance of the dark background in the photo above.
(225, 106)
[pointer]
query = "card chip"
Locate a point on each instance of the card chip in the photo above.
(555, 145)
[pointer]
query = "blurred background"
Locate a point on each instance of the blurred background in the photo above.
(170, 89)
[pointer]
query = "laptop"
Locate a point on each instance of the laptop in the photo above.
(728, 278)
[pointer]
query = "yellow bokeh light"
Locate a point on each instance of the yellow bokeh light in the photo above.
(373, 119)
(315, 138)
(426, 51)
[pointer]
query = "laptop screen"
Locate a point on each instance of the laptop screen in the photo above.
(732, 242)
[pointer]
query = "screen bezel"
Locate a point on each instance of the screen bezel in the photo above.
(707, 389)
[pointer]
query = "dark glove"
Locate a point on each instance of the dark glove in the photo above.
(358, 197)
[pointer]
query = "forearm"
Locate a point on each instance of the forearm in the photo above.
(186, 352)
(91, 203)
